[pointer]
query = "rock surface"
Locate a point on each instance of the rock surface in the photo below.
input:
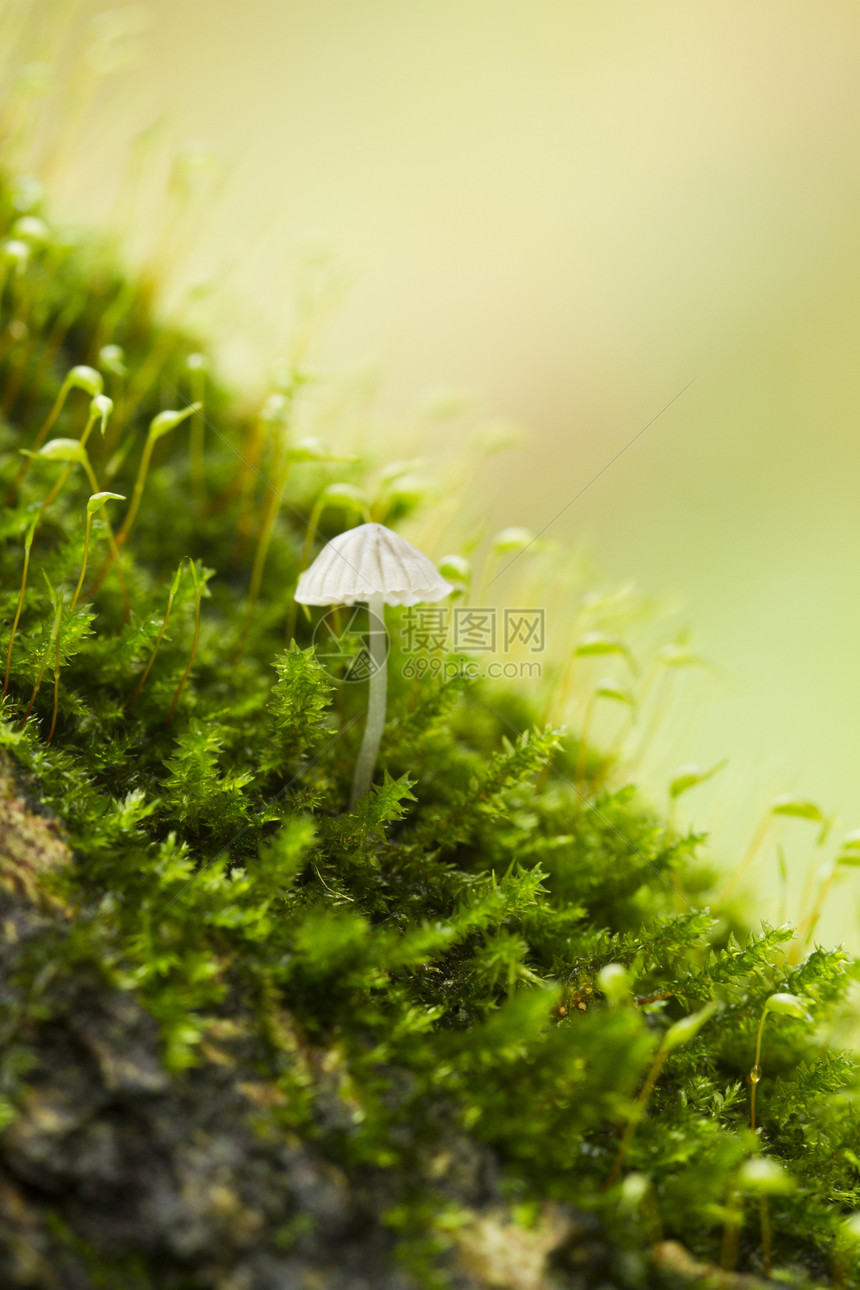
(114, 1171)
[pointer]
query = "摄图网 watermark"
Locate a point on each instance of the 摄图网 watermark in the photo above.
(436, 640)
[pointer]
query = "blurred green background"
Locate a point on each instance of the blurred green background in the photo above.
(572, 210)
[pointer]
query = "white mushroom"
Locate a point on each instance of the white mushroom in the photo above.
(371, 563)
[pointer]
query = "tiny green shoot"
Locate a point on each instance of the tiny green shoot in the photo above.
(793, 807)
(592, 644)
(95, 503)
(681, 1032)
(50, 647)
(457, 569)
(160, 425)
(758, 1176)
(58, 618)
(79, 377)
(786, 1005)
(199, 585)
(605, 689)
(28, 544)
(60, 450)
(73, 452)
(174, 587)
(304, 450)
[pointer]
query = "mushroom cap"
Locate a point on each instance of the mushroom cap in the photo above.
(368, 560)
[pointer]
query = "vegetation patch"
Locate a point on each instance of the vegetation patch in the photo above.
(482, 1029)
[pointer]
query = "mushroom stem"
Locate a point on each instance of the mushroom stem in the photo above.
(376, 702)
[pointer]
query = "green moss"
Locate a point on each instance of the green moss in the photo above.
(320, 1036)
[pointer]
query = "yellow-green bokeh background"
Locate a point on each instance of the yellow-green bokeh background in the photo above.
(573, 209)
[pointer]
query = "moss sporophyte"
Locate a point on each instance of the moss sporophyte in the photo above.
(481, 1030)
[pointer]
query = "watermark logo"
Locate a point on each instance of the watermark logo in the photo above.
(474, 630)
(526, 627)
(341, 641)
(435, 641)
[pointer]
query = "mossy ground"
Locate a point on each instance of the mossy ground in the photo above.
(249, 1036)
